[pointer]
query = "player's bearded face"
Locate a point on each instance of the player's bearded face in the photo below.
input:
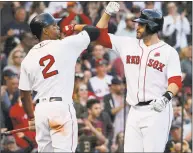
(141, 31)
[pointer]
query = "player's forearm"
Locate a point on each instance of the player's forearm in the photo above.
(104, 38)
(173, 88)
(27, 103)
(104, 20)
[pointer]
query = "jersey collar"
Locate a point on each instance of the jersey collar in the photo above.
(151, 47)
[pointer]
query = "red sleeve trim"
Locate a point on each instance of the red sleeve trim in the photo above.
(104, 38)
(85, 19)
(177, 80)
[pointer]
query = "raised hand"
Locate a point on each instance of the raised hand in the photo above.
(112, 8)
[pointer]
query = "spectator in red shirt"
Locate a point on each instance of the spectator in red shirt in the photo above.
(99, 84)
(19, 120)
(74, 11)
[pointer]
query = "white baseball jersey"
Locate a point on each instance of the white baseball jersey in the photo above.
(49, 67)
(147, 69)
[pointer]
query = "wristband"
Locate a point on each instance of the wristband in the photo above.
(107, 12)
(168, 95)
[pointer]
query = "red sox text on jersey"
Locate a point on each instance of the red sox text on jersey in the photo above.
(131, 59)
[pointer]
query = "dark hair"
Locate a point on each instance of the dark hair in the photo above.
(91, 102)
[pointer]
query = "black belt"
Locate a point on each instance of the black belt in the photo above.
(144, 103)
(52, 99)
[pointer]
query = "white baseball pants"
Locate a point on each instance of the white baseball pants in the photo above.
(56, 127)
(147, 130)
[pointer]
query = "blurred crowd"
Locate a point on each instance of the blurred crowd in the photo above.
(99, 91)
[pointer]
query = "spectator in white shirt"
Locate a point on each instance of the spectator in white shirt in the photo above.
(129, 30)
(99, 84)
(176, 27)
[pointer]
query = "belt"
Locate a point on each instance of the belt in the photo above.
(144, 103)
(52, 99)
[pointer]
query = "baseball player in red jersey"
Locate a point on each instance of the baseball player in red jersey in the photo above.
(49, 69)
(153, 76)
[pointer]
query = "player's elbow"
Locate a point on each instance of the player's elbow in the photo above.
(92, 31)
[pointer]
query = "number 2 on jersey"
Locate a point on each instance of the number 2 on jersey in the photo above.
(45, 72)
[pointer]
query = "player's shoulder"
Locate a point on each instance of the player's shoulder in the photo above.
(44, 46)
(169, 48)
(169, 51)
(28, 57)
(124, 41)
(82, 34)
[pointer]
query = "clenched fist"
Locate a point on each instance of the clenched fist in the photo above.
(112, 8)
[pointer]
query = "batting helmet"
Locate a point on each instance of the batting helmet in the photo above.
(41, 21)
(152, 18)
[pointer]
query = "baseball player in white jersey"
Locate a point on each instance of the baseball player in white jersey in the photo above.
(153, 76)
(49, 70)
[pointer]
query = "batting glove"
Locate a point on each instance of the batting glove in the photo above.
(112, 8)
(31, 124)
(68, 30)
(160, 104)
